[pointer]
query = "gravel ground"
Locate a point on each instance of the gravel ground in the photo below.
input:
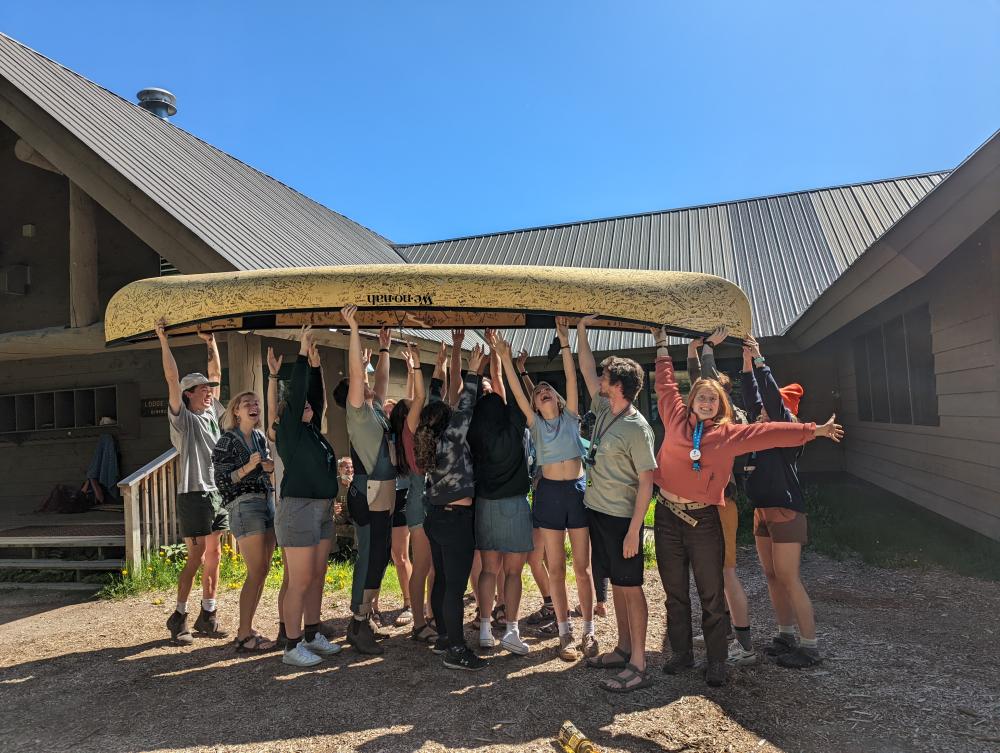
(912, 665)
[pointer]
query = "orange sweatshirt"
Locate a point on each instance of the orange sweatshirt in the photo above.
(719, 444)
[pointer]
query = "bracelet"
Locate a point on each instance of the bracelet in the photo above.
(563, 347)
(522, 373)
(661, 344)
(273, 376)
(383, 350)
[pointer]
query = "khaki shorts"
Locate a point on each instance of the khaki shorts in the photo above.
(781, 525)
(729, 516)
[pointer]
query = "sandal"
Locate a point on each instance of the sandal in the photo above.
(405, 617)
(424, 634)
(620, 682)
(549, 628)
(601, 662)
(499, 616)
(254, 643)
(544, 614)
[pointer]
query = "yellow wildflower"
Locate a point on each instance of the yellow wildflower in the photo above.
(124, 572)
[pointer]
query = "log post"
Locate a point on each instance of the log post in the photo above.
(133, 540)
(246, 366)
(84, 298)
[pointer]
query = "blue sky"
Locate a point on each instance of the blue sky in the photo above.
(438, 119)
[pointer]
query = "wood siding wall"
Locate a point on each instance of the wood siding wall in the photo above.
(954, 468)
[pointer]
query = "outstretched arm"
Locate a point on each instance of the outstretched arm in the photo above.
(569, 366)
(457, 338)
(693, 360)
(356, 369)
(496, 368)
(462, 416)
(748, 385)
(412, 358)
(588, 366)
(169, 369)
(273, 367)
(382, 367)
(316, 392)
(668, 396)
(522, 360)
(440, 374)
(709, 369)
(503, 347)
(214, 370)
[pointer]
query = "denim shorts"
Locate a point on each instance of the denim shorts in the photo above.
(416, 510)
(303, 522)
(251, 514)
(559, 504)
(503, 525)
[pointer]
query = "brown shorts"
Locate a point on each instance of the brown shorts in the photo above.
(729, 516)
(781, 525)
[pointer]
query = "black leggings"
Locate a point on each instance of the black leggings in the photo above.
(452, 535)
(600, 578)
(374, 552)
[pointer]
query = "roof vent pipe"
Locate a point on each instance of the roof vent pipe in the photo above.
(160, 102)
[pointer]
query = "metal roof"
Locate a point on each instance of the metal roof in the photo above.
(783, 251)
(250, 219)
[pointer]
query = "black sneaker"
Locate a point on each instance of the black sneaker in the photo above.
(780, 644)
(715, 674)
(462, 657)
(179, 633)
(440, 645)
(799, 658)
(678, 663)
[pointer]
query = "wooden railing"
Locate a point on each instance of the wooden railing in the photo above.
(150, 497)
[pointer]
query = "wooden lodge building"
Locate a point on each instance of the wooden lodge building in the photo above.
(881, 298)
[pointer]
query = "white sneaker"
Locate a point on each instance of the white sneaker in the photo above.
(739, 656)
(321, 646)
(513, 643)
(300, 656)
(487, 640)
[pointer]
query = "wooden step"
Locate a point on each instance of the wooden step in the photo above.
(61, 541)
(67, 586)
(57, 564)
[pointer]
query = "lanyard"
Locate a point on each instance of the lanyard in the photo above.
(695, 453)
(598, 432)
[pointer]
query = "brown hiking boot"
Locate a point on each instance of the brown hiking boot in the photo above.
(208, 624)
(179, 633)
(567, 651)
(361, 636)
(588, 646)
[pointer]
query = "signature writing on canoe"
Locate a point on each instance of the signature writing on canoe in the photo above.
(401, 298)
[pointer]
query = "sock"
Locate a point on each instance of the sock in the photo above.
(182, 607)
(588, 627)
(808, 643)
(281, 630)
(513, 628)
(208, 605)
(311, 631)
(361, 617)
(485, 630)
(743, 636)
(546, 601)
(565, 628)
(291, 643)
(786, 631)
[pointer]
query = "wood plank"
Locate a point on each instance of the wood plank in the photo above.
(975, 330)
(144, 524)
(68, 586)
(975, 520)
(970, 380)
(970, 405)
(153, 489)
(62, 541)
(56, 564)
(976, 356)
(929, 441)
(162, 530)
(131, 539)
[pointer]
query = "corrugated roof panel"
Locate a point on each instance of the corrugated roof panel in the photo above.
(250, 219)
(783, 251)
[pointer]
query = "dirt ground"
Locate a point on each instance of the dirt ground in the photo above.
(912, 665)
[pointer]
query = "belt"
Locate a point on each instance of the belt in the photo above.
(681, 510)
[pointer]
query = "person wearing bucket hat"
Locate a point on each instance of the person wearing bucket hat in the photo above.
(780, 528)
(194, 413)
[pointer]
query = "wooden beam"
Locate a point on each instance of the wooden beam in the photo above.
(84, 301)
(246, 368)
(26, 153)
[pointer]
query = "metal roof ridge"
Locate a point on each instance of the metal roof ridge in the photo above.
(689, 208)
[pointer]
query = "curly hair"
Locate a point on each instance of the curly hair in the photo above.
(434, 420)
(624, 372)
(725, 413)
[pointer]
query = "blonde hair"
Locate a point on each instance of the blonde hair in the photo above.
(725, 413)
(560, 400)
(229, 419)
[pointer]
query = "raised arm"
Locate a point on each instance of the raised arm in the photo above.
(169, 369)
(462, 415)
(440, 374)
(522, 360)
(316, 391)
(770, 393)
(214, 369)
(693, 360)
(412, 358)
(569, 366)
(356, 368)
(496, 367)
(502, 347)
(748, 385)
(668, 396)
(457, 338)
(273, 367)
(298, 387)
(708, 368)
(382, 368)
(588, 366)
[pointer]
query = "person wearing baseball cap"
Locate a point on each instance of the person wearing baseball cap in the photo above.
(194, 413)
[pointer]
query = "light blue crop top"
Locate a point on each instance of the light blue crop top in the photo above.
(557, 439)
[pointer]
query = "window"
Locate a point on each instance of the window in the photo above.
(894, 370)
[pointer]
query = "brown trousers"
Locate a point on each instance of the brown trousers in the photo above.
(680, 546)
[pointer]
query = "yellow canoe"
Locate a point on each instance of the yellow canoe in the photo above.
(435, 296)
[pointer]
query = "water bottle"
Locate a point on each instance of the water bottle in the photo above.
(573, 740)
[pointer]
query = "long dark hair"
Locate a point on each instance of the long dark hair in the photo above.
(434, 419)
(397, 422)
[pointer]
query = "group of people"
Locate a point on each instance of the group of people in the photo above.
(481, 474)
